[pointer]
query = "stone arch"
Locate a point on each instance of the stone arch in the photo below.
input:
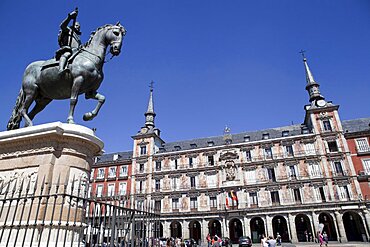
(235, 230)
(279, 225)
(214, 228)
(257, 229)
(195, 230)
(176, 229)
(303, 228)
(354, 227)
(328, 226)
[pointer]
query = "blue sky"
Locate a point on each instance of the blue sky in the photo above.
(214, 63)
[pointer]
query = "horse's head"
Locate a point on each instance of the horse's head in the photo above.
(114, 37)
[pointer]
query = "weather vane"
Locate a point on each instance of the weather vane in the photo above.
(151, 85)
(302, 52)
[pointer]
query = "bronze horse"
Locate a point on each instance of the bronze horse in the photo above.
(42, 82)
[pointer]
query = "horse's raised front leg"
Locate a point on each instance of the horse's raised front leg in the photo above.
(100, 98)
(74, 98)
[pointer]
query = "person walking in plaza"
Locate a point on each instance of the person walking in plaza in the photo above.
(264, 241)
(271, 242)
(216, 242)
(208, 238)
(325, 238)
(321, 239)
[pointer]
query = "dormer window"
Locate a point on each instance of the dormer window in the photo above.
(115, 157)
(285, 133)
(177, 148)
(305, 130)
(210, 143)
(162, 149)
(265, 136)
(247, 138)
(193, 145)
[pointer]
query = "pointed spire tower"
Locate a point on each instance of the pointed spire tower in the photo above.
(312, 86)
(150, 114)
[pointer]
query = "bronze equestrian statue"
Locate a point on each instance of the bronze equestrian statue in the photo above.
(42, 81)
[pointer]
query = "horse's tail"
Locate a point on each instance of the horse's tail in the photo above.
(16, 116)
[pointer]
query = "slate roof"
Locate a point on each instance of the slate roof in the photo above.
(355, 125)
(235, 138)
(126, 155)
(348, 127)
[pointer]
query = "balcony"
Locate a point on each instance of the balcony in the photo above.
(363, 150)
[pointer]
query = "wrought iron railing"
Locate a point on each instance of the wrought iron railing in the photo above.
(34, 213)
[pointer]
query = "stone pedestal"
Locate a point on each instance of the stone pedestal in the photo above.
(39, 161)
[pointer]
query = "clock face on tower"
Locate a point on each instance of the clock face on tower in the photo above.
(321, 102)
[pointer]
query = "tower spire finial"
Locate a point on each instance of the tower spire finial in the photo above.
(312, 86)
(150, 114)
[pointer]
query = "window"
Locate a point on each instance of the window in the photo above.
(175, 203)
(176, 165)
(247, 138)
(289, 151)
(309, 148)
(253, 199)
(292, 172)
(141, 168)
(332, 145)
(344, 192)
(362, 145)
(115, 157)
(99, 190)
(123, 189)
(158, 165)
(193, 203)
(123, 171)
(338, 168)
(157, 184)
(285, 133)
(268, 153)
(305, 131)
(92, 173)
(110, 189)
(366, 164)
(140, 186)
(297, 195)
(271, 174)
(193, 145)
(192, 182)
(314, 169)
(142, 150)
(322, 194)
(210, 143)
(112, 172)
(265, 136)
(327, 126)
(211, 160)
(213, 201)
(250, 176)
(190, 162)
(275, 198)
(175, 183)
(100, 173)
(248, 155)
(140, 204)
(157, 206)
(177, 148)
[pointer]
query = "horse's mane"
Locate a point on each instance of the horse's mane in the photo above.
(94, 32)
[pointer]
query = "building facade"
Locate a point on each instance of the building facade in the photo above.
(291, 181)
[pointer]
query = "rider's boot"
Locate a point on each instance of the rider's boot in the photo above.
(62, 64)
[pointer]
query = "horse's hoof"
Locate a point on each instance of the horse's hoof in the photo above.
(70, 121)
(88, 116)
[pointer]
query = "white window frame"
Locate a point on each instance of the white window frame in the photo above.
(314, 169)
(123, 188)
(112, 172)
(250, 177)
(101, 173)
(111, 189)
(362, 147)
(309, 148)
(323, 126)
(366, 166)
(99, 190)
(123, 171)
(193, 204)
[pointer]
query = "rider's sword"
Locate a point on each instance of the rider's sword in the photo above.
(73, 26)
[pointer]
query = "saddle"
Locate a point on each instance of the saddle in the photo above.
(54, 62)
